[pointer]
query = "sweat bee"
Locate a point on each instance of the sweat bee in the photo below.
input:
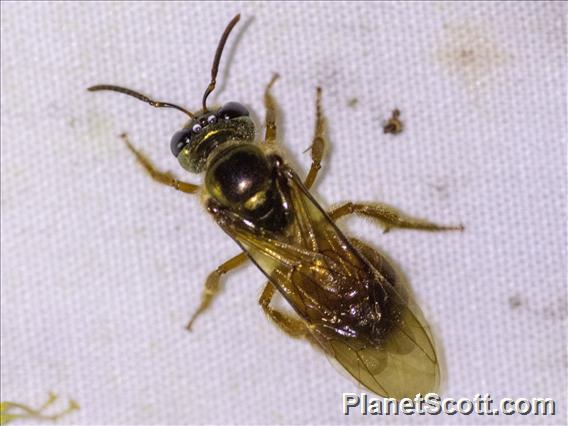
(347, 296)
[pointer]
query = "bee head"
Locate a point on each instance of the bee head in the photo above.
(209, 129)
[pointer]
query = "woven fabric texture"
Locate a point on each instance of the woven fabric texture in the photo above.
(101, 267)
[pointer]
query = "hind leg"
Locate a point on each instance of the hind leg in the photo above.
(388, 217)
(294, 327)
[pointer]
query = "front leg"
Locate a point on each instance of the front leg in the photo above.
(388, 217)
(270, 119)
(317, 147)
(165, 178)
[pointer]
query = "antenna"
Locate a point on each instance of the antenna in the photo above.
(156, 104)
(215, 67)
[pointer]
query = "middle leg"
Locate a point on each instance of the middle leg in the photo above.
(212, 286)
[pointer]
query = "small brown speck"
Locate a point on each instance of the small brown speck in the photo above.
(394, 125)
(515, 301)
(352, 103)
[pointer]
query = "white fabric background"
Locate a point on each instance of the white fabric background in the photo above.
(101, 268)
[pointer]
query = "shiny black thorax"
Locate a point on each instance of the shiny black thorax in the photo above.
(241, 178)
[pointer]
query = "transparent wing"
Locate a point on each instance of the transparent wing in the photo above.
(317, 269)
(404, 365)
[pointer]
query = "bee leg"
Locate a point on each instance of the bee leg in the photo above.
(270, 104)
(212, 284)
(388, 217)
(317, 147)
(292, 326)
(165, 178)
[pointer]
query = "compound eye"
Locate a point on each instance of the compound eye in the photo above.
(232, 110)
(180, 140)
